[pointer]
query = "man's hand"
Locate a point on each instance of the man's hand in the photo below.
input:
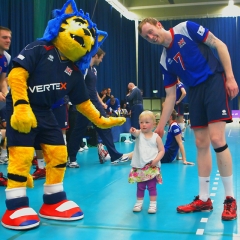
(2, 97)
(159, 131)
(232, 88)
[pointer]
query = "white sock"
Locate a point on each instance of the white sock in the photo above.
(65, 139)
(41, 163)
(3, 153)
(228, 185)
(204, 186)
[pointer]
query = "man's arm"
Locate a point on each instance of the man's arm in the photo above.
(231, 85)
(3, 86)
(182, 150)
(183, 91)
(167, 110)
(100, 100)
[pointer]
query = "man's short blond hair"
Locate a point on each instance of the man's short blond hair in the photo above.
(152, 21)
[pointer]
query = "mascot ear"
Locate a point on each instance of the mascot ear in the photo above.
(101, 37)
(70, 7)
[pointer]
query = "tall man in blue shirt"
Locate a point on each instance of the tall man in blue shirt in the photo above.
(187, 54)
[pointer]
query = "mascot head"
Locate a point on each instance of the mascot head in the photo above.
(74, 34)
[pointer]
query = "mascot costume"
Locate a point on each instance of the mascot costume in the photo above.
(44, 72)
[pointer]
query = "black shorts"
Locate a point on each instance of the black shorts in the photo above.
(209, 102)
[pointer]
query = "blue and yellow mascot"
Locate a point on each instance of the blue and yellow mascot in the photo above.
(44, 72)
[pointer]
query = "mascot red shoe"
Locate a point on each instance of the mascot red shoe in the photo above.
(44, 72)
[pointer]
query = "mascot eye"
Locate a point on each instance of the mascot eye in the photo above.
(92, 32)
(78, 39)
(80, 21)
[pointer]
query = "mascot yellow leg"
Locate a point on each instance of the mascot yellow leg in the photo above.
(56, 206)
(19, 215)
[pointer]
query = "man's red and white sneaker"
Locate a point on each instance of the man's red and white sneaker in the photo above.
(34, 161)
(3, 180)
(230, 209)
(196, 206)
(20, 219)
(65, 210)
(39, 173)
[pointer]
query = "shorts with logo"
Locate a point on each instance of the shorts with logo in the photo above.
(180, 109)
(209, 102)
(61, 114)
(47, 131)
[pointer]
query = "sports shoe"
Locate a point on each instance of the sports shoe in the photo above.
(34, 161)
(72, 165)
(81, 149)
(107, 158)
(137, 207)
(85, 147)
(20, 219)
(115, 162)
(65, 210)
(196, 206)
(124, 158)
(3, 180)
(4, 160)
(39, 173)
(230, 209)
(152, 209)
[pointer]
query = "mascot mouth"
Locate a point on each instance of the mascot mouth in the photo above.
(78, 39)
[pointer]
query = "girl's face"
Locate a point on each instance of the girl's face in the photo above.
(146, 124)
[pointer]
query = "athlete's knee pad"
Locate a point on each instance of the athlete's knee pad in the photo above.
(221, 149)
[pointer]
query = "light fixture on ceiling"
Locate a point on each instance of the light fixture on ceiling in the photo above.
(230, 3)
(122, 10)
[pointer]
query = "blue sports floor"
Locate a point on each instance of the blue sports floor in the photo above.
(107, 199)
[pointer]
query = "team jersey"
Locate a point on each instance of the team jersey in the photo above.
(171, 144)
(91, 83)
(179, 92)
(50, 77)
(188, 57)
(3, 64)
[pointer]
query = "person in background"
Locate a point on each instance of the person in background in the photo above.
(5, 58)
(210, 81)
(103, 95)
(146, 161)
(173, 142)
(108, 94)
(82, 122)
(112, 104)
(179, 105)
(134, 97)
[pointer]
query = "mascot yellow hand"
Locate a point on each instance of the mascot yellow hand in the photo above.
(23, 118)
(89, 111)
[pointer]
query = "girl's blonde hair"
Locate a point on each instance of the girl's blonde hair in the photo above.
(149, 114)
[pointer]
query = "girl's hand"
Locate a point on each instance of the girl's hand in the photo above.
(132, 130)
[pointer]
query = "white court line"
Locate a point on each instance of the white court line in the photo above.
(200, 232)
(204, 220)
(229, 134)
